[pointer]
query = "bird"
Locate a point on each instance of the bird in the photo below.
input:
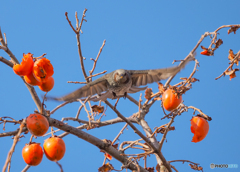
(121, 82)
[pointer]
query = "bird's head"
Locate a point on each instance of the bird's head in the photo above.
(121, 76)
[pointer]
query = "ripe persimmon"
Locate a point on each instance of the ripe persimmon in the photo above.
(26, 65)
(171, 100)
(32, 80)
(199, 127)
(42, 69)
(47, 85)
(32, 154)
(37, 124)
(54, 148)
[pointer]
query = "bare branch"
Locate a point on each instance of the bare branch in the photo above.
(95, 61)
(16, 138)
(93, 140)
(10, 64)
(26, 168)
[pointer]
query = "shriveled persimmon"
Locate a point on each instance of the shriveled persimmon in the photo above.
(47, 85)
(26, 65)
(32, 154)
(171, 100)
(37, 124)
(54, 148)
(42, 69)
(199, 127)
(32, 80)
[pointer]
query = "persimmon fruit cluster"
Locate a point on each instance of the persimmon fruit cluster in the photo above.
(53, 147)
(36, 72)
(171, 100)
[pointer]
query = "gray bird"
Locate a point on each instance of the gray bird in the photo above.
(120, 82)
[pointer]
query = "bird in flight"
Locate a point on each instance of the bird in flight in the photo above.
(121, 82)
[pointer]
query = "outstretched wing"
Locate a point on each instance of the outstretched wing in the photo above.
(96, 87)
(143, 77)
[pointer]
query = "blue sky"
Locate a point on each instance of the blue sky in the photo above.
(139, 35)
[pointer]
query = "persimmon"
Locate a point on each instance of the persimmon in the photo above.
(32, 154)
(32, 80)
(199, 127)
(171, 100)
(54, 148)
(37, 124)
(26, 65)
(206, 53)
(47, 85)
(42, 69)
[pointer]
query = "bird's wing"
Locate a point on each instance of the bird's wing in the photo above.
(143, 77)
(95, 87)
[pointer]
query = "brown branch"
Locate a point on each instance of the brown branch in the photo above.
(80, 108)
(66, 14)
(193, 72)
(133, 100)
(26, 168)
(132, 126)
(13, 133)
(174, 168)
(59, 106)
(166, 131)
(77, 31)
(99, 124)
(15, 140)
(201, 113)
(121, 132)
(83, 19)
(184, 161)
(2, 59)
(115, 139)
(89, 77)
(95, 61)
(230, 66)
(60, 166)
(76, 82)
(95, 141)
(14, 59)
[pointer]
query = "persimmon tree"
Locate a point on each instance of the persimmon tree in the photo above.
(38, 71)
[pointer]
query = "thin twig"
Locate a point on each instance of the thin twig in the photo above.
(26, 168)
(96, 74)
(95, 61)
(16, 138)
(60, 166)
(80, 108)
(230, 66)
(132, 126)
(166, 131)
(76, 82)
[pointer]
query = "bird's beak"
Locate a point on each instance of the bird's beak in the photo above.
(121, 77)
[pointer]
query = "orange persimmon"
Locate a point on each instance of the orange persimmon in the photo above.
(171, 100)
(43, 69)
(32, 154)
(26, 65)
(32, 80)
(47, 85)
(199, 127)
(37, 124)
(54, 148)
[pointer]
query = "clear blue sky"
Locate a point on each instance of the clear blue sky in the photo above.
(139, 35)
